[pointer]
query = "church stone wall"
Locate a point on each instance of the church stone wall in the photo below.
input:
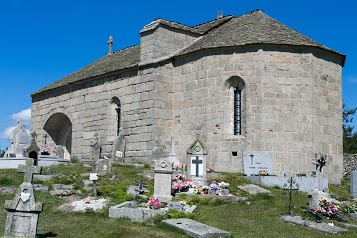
(292, 108)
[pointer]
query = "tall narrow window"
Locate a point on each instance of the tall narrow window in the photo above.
(115, 118)
(234, 111)
(118, 110)
(237, 112)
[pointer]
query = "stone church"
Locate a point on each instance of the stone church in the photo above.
(239, 84)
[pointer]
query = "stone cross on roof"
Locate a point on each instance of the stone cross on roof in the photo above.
(110, 44)
(34, 135)
(29, 169)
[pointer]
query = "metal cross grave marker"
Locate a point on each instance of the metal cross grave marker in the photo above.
(197, 162)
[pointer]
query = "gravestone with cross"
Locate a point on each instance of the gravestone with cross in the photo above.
(23, 211)
(197, 160)
(256, 163)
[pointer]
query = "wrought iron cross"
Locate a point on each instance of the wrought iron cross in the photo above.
(291, 186)
(29, 169)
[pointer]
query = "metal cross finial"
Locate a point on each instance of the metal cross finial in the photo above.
(45, 136)
(110, 44)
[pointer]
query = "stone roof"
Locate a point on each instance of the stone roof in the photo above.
(252, 28)
(126, 58)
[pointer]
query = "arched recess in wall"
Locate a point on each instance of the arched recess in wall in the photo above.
(235, 109)
(114, 118)
(59, 128)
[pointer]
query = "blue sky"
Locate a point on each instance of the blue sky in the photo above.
(42, 41)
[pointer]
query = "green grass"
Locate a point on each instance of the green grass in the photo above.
(259, 217)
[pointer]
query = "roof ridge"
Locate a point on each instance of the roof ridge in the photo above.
(198, 25)
(125, 48)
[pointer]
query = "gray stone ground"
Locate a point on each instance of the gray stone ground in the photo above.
(196, 229)
(322, 227)
(253, 189)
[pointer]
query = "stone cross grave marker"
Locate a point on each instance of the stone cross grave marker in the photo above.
(29, 169)
(23, 211)
(254, 163)
(320, 162)
(94, 177)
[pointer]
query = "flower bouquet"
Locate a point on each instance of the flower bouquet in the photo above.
(154, 203)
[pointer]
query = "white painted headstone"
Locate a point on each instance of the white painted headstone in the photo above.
(255, 162)
(196, 166)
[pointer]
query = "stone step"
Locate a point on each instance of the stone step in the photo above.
(196, 229)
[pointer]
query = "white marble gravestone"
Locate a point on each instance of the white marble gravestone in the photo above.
(255, 162)
(20, 140)
(197, 158)
(163, 180)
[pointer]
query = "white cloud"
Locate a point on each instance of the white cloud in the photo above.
(6, 134)
(25, 115)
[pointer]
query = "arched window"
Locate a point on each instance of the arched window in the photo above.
(235, 110)
(115, 114)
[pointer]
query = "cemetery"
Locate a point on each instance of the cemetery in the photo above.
(151, 168)
(144, 197)
(168, 196)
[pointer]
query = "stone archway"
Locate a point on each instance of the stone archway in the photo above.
(59, 128)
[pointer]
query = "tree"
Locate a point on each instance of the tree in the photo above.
(349, 137)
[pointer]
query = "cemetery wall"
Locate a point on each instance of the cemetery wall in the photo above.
(349, 164)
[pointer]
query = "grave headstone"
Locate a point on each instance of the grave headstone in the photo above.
(103, 166)
(163, 180)
(175, 206)
(119, 149)
(320, 162)
(20, 140)
(96, 148)
(172, 156)
(60, 151)
(23, 211)
(197, 160)
(353, 185)
(254, 163)
(319, 191)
